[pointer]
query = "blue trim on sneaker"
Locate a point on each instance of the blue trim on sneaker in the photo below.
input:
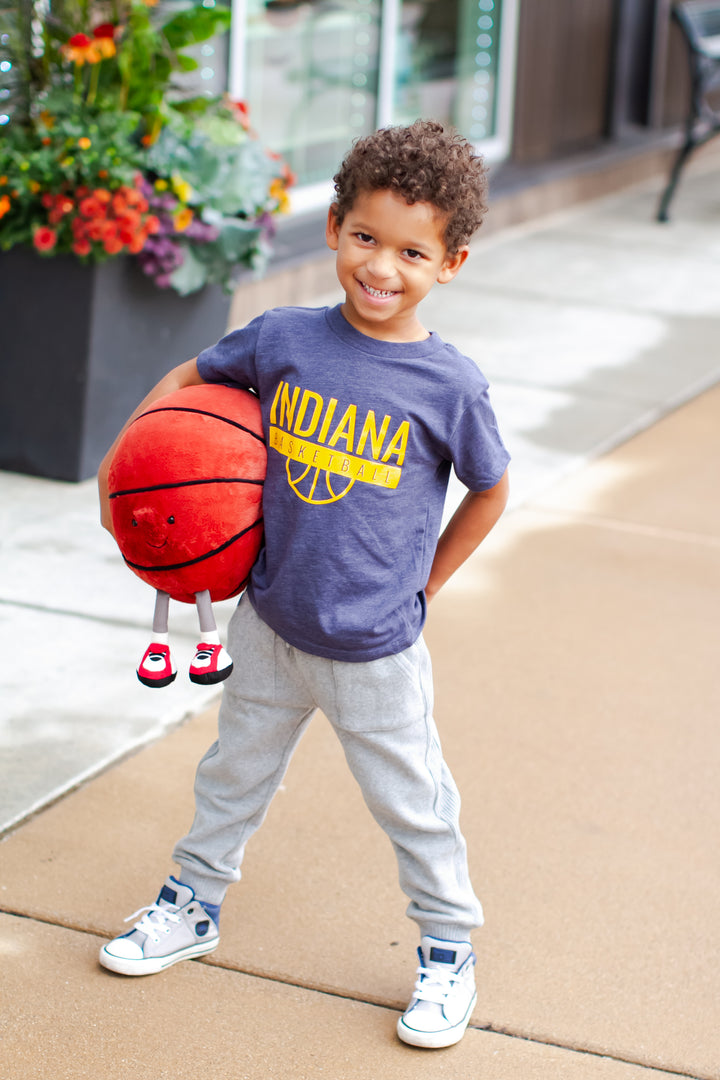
(213, 911)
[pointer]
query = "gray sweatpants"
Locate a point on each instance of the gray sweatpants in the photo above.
(381, 711)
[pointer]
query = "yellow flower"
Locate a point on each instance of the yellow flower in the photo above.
(278, 192)
(182, 218)
(161, 185)
(84, 143)
(182, 189)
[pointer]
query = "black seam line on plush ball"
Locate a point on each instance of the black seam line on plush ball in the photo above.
(202, 412)
(199, 558)
(186, 483)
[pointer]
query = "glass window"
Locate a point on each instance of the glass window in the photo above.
(311, 71)
(446, 64)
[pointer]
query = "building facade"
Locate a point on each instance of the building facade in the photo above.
(527, 81)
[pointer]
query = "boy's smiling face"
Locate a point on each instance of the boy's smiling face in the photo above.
(389, 256)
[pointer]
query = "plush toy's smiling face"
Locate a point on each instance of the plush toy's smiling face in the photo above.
(153, 527)
(173, 526)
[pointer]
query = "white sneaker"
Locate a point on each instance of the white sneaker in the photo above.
(444, 996)
(176, 927)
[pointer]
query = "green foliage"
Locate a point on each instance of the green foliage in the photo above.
(92, 100)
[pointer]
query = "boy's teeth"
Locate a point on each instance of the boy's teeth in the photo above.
(379, 292)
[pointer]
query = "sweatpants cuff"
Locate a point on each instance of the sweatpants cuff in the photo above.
(212, 891)
(443, 932)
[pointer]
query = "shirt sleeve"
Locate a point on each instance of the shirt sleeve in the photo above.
(233, 359)
(476, 448)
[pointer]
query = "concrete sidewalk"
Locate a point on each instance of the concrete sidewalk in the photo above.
(575, 659)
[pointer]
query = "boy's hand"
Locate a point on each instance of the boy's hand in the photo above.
(467, 528)
(186, 374)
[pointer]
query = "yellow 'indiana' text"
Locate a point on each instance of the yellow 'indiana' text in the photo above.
(308, 416)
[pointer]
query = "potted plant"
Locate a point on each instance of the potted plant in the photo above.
(128, 207)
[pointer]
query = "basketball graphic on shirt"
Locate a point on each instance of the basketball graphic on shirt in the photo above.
(329, 445)
(315, 485)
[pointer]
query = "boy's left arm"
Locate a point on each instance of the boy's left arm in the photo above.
(467, 528)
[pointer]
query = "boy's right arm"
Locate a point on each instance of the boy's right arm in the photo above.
(186, 374)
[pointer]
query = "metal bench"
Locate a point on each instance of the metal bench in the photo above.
(699, 21)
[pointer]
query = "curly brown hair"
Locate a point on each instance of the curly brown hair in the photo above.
(424, 163)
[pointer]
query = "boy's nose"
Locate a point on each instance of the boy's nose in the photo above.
(381, 264)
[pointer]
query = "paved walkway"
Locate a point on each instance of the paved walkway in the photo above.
(575, 658)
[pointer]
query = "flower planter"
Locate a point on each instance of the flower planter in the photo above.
(81, 346)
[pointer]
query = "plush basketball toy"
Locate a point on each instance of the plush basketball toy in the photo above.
(185, 485)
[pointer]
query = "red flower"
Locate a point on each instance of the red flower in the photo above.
(113, 245)
(95, 229)
(44, 238)
(82, 246)
(92, 207)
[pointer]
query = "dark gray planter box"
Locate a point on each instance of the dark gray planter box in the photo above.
(80, 346)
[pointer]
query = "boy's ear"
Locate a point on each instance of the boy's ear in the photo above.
(452, 264)
(332, 230)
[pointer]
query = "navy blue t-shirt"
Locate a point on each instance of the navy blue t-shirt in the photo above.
(361, 437)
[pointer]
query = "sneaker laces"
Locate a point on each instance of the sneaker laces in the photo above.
(154, 920)
(434, 984)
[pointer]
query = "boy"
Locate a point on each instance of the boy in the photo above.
(364, 413)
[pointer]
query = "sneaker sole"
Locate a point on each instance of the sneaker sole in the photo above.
(165, 681)
(151, 965)
(209, 678)
(435, 1040)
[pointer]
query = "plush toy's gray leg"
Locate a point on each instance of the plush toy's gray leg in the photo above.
(211, 664)
(160, 618)
(157, 667)
(206, 616)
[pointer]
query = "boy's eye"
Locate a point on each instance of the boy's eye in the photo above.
(413, 254)
(364, 237)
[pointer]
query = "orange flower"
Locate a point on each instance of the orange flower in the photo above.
(44, 238)
(84, 143)
(4, 205)
(81, 49)
(137, 243)
(182, 219)
(113, 245)
(105, 39)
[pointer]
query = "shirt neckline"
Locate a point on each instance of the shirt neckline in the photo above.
(376, 346)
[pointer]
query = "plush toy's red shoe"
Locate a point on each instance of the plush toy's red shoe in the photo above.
(211, 664)
(156, 667)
